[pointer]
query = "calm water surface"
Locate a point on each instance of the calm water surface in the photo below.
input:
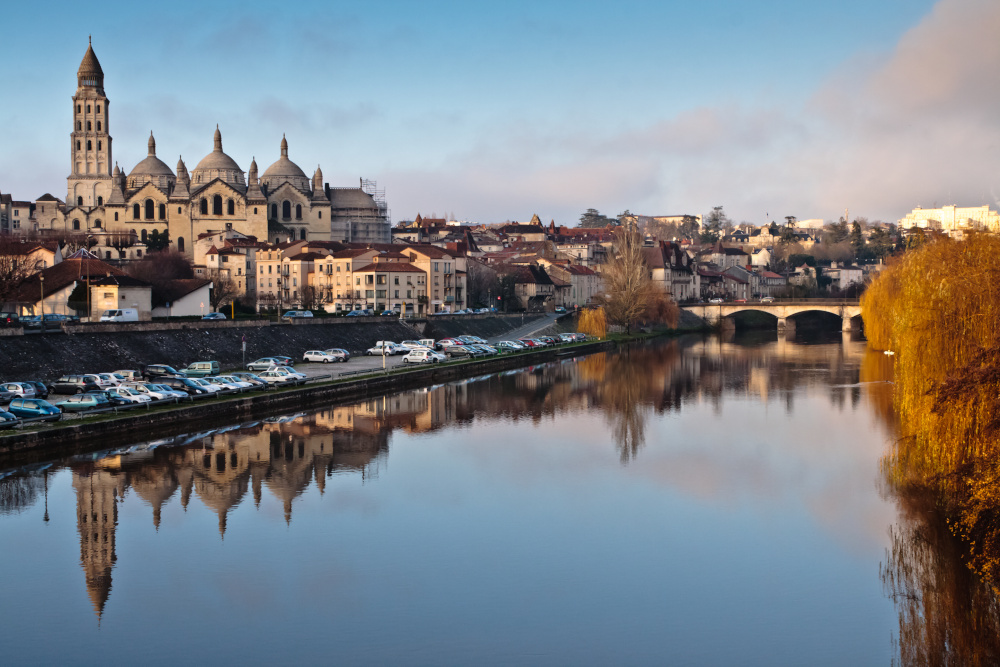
(684, 502)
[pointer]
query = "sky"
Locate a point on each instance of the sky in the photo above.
(489, 112)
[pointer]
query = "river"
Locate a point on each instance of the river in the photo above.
(693, 501)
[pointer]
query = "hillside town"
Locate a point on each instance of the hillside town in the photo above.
(172, 243)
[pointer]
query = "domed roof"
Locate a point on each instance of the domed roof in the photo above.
(284, 170)
(218, 165)
(90, 72)
(152, 165)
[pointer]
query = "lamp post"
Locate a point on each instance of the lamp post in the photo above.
(86, 259)
(41, 301)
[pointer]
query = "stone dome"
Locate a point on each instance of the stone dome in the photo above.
(218, 165)
(151, 170)
(284, 171)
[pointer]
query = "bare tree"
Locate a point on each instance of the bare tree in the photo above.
(224, 289)
(627, 284)
(15, 265)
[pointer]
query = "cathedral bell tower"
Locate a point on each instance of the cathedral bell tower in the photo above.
(89, 182)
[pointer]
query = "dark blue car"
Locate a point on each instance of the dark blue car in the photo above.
(29, 408)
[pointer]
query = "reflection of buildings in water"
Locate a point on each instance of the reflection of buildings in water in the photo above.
(97, 494)
(284, 457)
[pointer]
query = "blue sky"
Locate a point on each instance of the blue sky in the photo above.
(496, 111)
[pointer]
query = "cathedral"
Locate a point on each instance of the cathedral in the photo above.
(152, 200)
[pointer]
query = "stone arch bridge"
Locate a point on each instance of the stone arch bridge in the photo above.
(784, 311)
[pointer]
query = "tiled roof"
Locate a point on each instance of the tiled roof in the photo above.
(390, 267)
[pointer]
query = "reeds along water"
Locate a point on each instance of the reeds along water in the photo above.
(938, 309)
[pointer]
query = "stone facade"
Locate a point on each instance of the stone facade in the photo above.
(152, 199)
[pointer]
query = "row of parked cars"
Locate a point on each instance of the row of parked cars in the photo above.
(428, 351)
(129, 388)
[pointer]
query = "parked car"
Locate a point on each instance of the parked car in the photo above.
(109, 380)
(320, 356)
(456, 351)
(263, 364)
(509, 346)
(147, 389)
(474, 340)
(129, 395)
(84, 402)
(567, 337)
(209, 387)
(48, 321)
(251, 378)
(421, 356)
(130, 375)
(717, 300)
(200, 369)
(19, 389)
(560, 310)
(113, 399)
(120, 315)
(41, 390)
(156, 371)
(290, 315)
(184, 384)
(75, 384)
(9, 319)
(276, 379)
(238, 382)
(339, 354)
(8, 419)
(28, 408)
(291, 372)
(170, 392)
(387, 348)
(283, 361)
(214, 316)
(767, 299)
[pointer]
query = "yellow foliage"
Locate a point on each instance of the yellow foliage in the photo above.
(938, 310)
(593, 322)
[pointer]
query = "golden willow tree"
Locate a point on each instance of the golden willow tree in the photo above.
(938, 310)
(630, 296)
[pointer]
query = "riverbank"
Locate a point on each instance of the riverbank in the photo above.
(65, 438)
(103, 348)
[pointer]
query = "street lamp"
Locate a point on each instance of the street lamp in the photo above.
(41, 302)
(86, 259)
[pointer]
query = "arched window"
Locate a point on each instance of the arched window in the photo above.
(88, 108)
(107, 254)
(116, 216)
(90, 145)
(98, 145)
(76, 225)
(78, 108)
(230, 207)
(97, 224)
(298, 211)
(144, 236)
(100, 200)
(163, 211)
(149, 209)
(217, 205)
(77, 144)
(302, 234)
(178, 209)
(255, 210)
(180, 244)
(89, 126)
(286, 209)
(274, 211)
(204, 206)
(98, 126)
(98, 108)
(135, 212)
(79, 201)
(79, 125)
(319, 215)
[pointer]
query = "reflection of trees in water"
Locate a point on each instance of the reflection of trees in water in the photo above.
(947, 615)
(18, 493)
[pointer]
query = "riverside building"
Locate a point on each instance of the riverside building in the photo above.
(282, 204)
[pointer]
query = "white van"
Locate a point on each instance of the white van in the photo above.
(121, 315)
